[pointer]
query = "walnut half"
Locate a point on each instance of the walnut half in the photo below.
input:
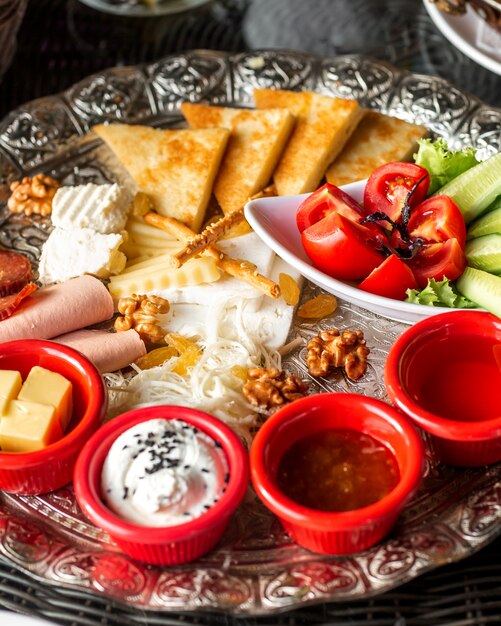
(33, 195)
(271, 388)
(139, 312)
(330, 348)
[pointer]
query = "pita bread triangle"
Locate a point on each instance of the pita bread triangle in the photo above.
(323, 126)
(254, 148)
(176, 168)
(377, 140)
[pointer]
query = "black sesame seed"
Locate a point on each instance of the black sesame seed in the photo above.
(217, 444)
(125, 447)
(204, 470)
(187, 467)
(227, 478)
(126, 493)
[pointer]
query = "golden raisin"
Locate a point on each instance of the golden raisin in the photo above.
(156, 357)
(240, 372)
(189, 352)
(318, 307)
(289, 289)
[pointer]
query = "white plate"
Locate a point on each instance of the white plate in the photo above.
(274, 220)
(470, 34)
(15, 619)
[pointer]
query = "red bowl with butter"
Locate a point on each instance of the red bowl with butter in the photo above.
(162, 481)
(337, 469)
(46, 469)
(445, 374)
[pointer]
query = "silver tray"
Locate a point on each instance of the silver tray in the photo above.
(256, 569)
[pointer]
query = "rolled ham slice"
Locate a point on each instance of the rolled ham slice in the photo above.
(108, 351)
(59, 309)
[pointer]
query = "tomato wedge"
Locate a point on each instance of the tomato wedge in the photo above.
(437, 219)
(341, 248)
(327, 199)
(389, 185)
(391, 279)
(438, 260)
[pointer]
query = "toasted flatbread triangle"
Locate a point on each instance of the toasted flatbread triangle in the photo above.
(256, 143)
(377, 140)
(176, 168)
(323, 125)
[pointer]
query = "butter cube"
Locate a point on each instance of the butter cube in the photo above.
(50, 388)
(10, 384)
(28, 426)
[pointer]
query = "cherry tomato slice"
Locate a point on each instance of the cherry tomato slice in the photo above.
(389, 185)
(390, 279)
(438, 260)
(437, 219)
(325, 200)
(341, 248)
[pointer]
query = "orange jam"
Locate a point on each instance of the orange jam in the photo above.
(337, 470)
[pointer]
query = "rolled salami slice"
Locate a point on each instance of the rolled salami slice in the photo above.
(108, 351)
(8, 304)
(59, 309)
(15, 272)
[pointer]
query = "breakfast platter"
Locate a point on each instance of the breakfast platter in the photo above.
(256, 568)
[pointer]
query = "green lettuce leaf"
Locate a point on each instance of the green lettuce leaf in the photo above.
(439, 293)
(443, 164)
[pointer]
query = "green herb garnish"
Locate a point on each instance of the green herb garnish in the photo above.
(443, 164)
(439, 293)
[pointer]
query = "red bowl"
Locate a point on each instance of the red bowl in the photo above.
(161, 545)
(445, 374)
(332, 532)
(32, 473)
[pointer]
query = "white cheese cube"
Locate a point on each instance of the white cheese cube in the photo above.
(103, 208)
(73, 252)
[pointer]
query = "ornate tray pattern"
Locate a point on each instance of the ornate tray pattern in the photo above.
(256, 569)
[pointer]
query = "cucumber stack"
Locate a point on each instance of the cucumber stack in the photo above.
(477, 192)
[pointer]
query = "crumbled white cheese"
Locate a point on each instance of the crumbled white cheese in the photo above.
(104, 208)
(77, 251)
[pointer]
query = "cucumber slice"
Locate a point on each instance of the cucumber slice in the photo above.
(474, 190)
(484, 253)
(488, 223)
(482, 288)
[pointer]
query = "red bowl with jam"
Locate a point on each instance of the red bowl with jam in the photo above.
(445, 374)
(337, 469)
(172, 543)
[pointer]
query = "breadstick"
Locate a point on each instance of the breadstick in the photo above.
(239, 269)
(208, 236)
(214, 231)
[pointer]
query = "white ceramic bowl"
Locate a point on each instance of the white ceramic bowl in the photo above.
(274, 221)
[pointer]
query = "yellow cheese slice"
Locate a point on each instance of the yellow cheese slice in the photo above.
(47, 387)
(175, 168)
(29, 426)
(255, 145)
(10, 384)
(323, 126)
(377, 140)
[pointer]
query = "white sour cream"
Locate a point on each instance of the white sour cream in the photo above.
(163, 473)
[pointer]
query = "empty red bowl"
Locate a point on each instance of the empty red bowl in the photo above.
(44, 470)
(330, 532)
(445, 374)
(164, 545)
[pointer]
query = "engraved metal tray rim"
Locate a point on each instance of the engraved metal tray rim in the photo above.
(49, 538)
